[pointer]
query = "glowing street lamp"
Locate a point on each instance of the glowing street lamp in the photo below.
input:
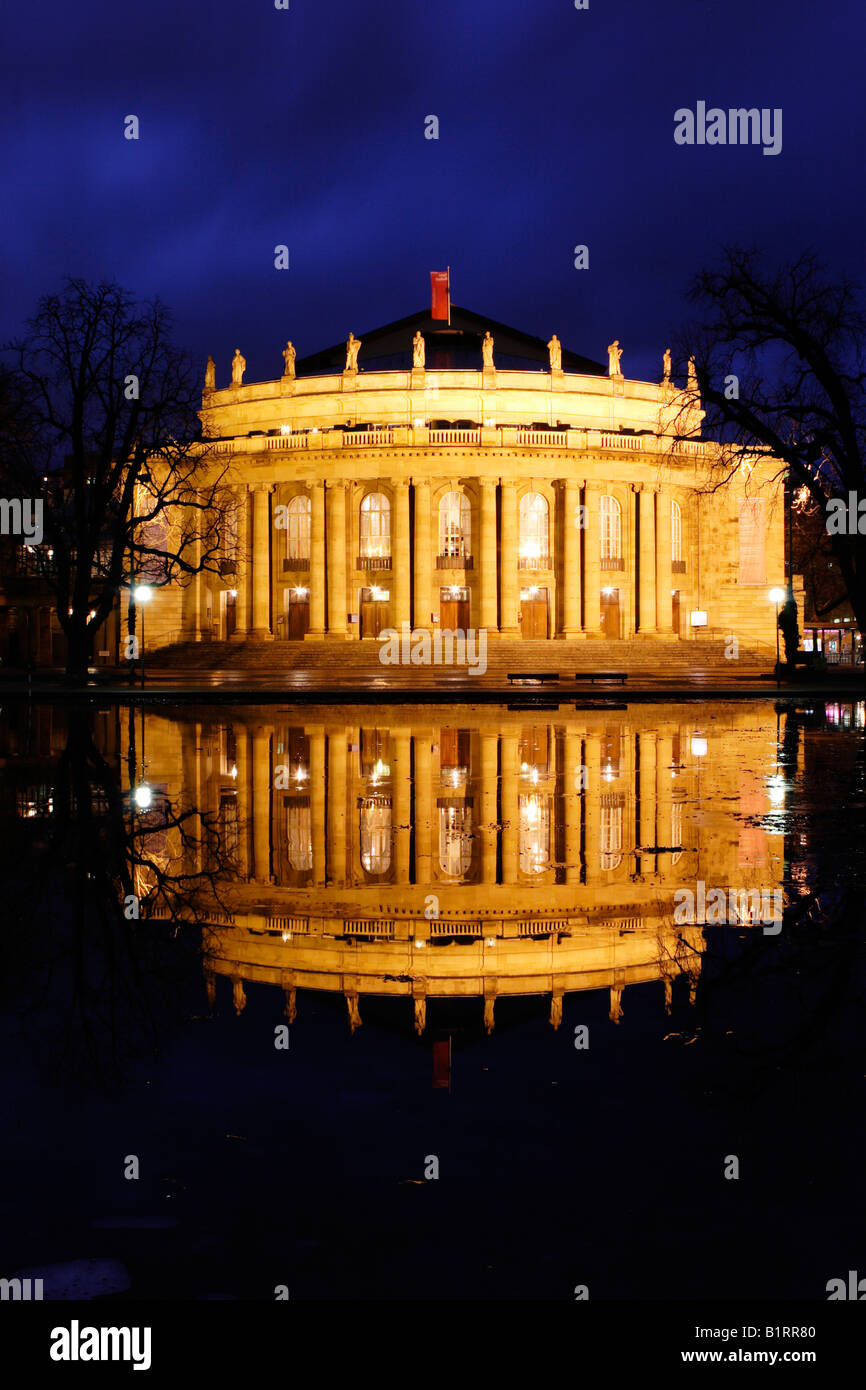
(142, 594)
(142, 796)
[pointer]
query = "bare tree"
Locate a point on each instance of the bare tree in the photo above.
(98, 422)
(779, 359)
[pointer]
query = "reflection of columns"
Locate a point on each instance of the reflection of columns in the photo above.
(400, 557)
(262, 803)
(591, 562)
(243, 800)
(336, 507)
(592, 804)
(555, 1010)
(401, 781)
(337, 806)
(317, 802)
(487, 811)
(491, 988)
(571, 559)
(423, 814)
(242, 573)
(261, 628)
(664, 798)
(423, 554)
(574, 794)
(508, 561)
(646, 501)
(487, 557)
(665, 578)
(510, 807)
(353, 1005)
(239, 998)
(647, 787)
(317, 560)
(419, 996)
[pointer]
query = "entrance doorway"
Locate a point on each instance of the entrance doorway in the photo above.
(533, 612)
(610, 613)
(297, 614)
(228, 613)
(374, 611)
(454, 609)
(675, 612)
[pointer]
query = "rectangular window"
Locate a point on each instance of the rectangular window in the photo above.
(753, 541)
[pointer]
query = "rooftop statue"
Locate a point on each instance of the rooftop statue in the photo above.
(554, 347)
(666, 360)
(353, 347)
(210, 375)
(289, 356)
(239, 366)
(614, 354)
(418, 349)
(487, 349)
(693, 376)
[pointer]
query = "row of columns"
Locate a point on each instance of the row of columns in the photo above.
(647, 516)
(495, 805)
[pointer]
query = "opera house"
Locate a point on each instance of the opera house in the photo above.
(465, 475)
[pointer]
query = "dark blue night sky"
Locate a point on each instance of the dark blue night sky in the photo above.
(306, 127)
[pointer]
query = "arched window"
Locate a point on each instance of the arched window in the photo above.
(454, 532)
(611, 529)
(533, 814)
(375, 526)
(676, 532)
(534, 532)
(376, 834)
(610, 833)
(455, 840)
(298, 528)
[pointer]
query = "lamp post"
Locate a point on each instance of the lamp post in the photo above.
(777, 596)
(142, 594)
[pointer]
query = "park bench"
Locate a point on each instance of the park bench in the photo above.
(538, 676)
(593, 676)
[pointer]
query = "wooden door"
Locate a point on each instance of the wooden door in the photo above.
(228, 614)
(533, 613)
(454, 610)
(374, 613)
(610, 614)
(298, 622)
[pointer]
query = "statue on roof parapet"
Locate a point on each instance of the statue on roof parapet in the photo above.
(614, 356)
(353, 347)
(239, 366)
(289, 356)
(554, 347)
(487, 349)
(210, 375)
(418, 349)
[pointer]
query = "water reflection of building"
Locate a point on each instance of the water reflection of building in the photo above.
(449, 852)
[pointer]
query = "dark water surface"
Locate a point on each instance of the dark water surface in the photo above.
(296, 962)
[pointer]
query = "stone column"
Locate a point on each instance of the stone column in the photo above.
(317, 802)
(646, 609)
(571, 534)
(337, 806)
(510, 807)
(336, 508)
(592, 562)
(261, 629)
(664, 606)
(423, 554)
(401, 781)
(317, 561)
(487, 557)
(423, 807)
(508, 562)
(242, 574)
(648, 799)
(488, 805)
(400, 561)
(243, 801)
(574, 795)
(592, 805)
(262, 782)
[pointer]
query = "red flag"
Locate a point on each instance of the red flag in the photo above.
(440, 290)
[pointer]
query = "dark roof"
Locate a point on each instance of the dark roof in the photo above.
(457, 346)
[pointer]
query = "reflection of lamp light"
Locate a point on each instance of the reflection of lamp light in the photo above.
(142, 796)
(418, 424)
(776, 790)
(419, 943)
(698, 746)
(285, 429)
(698, 617)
